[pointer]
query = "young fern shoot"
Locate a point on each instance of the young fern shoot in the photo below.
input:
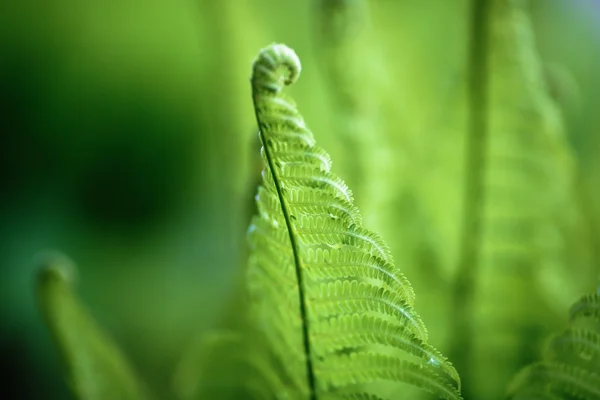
(324, 294)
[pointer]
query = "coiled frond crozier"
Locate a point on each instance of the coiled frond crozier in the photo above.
(336, 313)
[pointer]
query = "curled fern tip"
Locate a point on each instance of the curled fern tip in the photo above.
(266, 71)
(55, 265)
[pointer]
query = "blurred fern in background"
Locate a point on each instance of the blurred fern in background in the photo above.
(467, 130)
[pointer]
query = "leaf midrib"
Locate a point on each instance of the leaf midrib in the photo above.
(297, 262)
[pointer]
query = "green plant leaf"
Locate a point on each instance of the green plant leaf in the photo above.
(96, 369)
(206, 369)
(518, 194)
(571, 365)
(360, 86)
(333, 312)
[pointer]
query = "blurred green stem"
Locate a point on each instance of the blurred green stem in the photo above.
(473, 192)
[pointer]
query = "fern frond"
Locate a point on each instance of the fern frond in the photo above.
(350, 56)
(520, 177)
(336, 313)
(571, 365)
(96, 369)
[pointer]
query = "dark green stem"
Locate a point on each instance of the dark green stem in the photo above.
(298, 266)
(474, 190)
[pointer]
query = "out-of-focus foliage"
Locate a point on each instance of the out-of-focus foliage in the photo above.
(519, 204)
(96, 369)
(571, 365)
(129, 142)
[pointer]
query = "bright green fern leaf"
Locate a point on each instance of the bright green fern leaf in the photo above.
(334, 311)
(96, 369)
(571, 366)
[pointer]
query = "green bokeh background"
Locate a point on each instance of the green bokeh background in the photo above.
(128, 142)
